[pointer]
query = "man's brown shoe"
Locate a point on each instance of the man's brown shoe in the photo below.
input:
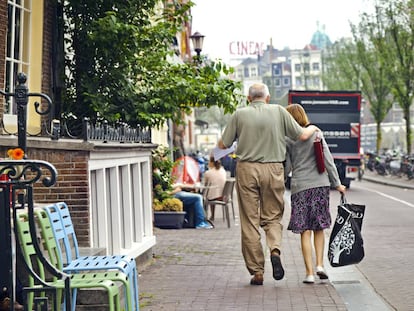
(257, 279)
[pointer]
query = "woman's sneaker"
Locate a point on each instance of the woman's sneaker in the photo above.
(204, 225)
(320, 271)
(309, 279)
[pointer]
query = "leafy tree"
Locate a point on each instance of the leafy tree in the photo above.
(374, 76)
(354, 64)
(379, 59)
(341, 68)
(396, 19)
(120, 67)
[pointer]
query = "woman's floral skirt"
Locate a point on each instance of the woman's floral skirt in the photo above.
(310, 210)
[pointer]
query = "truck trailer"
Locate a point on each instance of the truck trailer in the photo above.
(337, 114)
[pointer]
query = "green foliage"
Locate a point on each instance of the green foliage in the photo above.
(120, 64)
(341, 72)
(379, 60)
(356, 64)
(397, 18)
(162, 180)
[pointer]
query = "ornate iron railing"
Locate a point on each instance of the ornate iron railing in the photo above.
(21, 96)
(120, 132)
(98, 131)
(18, 177)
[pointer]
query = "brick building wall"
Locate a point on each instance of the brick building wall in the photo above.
(71, 186)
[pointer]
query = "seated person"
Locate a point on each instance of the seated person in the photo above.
(194, 201)
(215, 178)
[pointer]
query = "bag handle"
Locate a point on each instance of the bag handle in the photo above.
(318, 136)
(343, 199)
(343, 202)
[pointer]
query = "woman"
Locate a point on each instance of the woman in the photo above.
(310, 194)
(214, 178)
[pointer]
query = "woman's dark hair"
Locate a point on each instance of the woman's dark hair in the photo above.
(217, 164)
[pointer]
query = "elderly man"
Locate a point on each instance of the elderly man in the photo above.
(260, 131)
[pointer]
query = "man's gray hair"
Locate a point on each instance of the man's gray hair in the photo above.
(258, 90)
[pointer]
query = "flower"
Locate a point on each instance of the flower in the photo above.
(15, 170)
(168, 205)
(15, 154)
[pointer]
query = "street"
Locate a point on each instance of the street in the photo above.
(388, 240)
(204, 270)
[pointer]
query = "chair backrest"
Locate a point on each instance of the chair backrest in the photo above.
(228, 190)
(205, 191)
(72, 241)
(48, 238)
(27, 247)
(63, 230)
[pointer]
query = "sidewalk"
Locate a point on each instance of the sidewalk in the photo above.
(402, 182)
(204, 270)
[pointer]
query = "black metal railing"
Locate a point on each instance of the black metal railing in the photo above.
(55, 129)
(99, 131)
(21, 96)
(17, 178)
(120, 132)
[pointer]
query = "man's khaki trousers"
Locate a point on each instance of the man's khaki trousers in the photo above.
(260, 189)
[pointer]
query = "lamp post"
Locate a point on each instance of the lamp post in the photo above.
(198, 40)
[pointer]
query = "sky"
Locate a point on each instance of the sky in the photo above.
(288, 23)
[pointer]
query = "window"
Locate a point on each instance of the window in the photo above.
(306, 67)
(298, 81)
(240, 73)
(253, 72)
(286, 81)
(315, 66)
(246, 72)
(277, 82)
(276, 70)
(17, 53)
(297, 67)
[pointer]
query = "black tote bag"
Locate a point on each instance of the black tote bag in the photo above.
(346, 245)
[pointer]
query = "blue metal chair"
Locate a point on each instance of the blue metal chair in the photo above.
(65, 236)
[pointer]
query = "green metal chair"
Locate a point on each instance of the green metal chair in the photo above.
(53, 249)
(77, 281)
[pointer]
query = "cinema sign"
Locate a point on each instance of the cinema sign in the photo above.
(246, 48)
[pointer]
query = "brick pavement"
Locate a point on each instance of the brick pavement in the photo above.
(204, 270)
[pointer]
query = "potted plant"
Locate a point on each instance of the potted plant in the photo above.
(168, 211)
